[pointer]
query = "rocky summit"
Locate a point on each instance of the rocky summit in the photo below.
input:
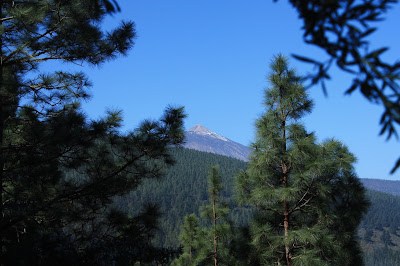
(202, 139)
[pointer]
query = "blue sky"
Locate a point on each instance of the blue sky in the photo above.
(213, 56)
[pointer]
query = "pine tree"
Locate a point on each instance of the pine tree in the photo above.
(217, 211)
(207, 246)
(59, 170)
(307, 199)
(192, 238)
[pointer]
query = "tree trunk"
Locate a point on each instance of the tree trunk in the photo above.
(286, 228)
(286, 218)
(215, 232)
(285, 182)
(2, 108)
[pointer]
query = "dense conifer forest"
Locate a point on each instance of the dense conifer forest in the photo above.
(183, 190)
(379, 232)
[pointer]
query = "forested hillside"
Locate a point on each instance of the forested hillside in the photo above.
(184, 190)
(379, 231)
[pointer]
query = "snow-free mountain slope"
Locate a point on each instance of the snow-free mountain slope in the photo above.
(387, 186)
(202, 139)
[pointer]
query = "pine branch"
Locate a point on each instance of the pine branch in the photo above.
(5, 19)
(23, 46)
(300, 205)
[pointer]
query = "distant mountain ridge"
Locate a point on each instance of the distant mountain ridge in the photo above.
(387, 186)
(202, 139)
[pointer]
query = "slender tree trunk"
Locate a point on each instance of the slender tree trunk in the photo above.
(286, 228)
(286, 217)
(190, 256)
(215, 232)
(2, 109)
(285, 184)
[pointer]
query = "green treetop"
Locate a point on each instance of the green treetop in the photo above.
(302, 191)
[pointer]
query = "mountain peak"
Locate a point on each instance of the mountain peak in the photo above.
(200, 129)
(202, 139)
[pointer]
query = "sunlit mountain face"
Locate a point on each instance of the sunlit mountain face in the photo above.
(202, 139)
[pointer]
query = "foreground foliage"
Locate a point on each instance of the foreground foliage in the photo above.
(46, 216)
(343, 30)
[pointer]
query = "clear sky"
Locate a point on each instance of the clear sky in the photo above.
(213, 56)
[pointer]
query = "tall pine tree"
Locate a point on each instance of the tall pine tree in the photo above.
(307, 200)
(217, 212)
(59, 170)
(194, 244)
(207, 246)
